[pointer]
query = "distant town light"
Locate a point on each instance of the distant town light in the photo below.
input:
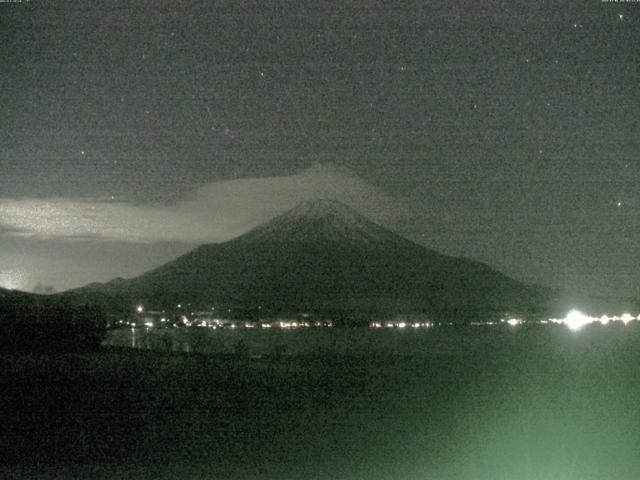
(514, 321)
(139, 309)
(626, 318)
(575, 320)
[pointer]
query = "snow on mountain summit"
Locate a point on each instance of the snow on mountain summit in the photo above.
(322, 219)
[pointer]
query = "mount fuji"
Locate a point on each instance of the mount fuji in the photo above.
(322, 257)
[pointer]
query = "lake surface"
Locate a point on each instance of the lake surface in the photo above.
(447, 403)
(436, 340)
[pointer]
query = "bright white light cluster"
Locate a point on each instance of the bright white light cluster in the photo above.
(575, 319)
(400, 324)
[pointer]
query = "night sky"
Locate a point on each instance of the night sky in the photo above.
(507, 132)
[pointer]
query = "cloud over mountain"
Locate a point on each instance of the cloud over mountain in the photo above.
(214, 212)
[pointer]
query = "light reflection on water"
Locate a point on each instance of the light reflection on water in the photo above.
(448, 340)
(266, 342)
(539, 402)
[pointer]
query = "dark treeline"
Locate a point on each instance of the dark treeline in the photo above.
(49, 323)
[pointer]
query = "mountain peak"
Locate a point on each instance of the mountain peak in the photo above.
(324, 257)
(321, 219)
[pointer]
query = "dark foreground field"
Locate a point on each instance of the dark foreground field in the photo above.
(527, 403)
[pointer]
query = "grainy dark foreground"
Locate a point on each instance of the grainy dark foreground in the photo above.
(540, 403)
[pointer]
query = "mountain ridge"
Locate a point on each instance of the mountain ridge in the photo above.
(321, 216)
(324, 257)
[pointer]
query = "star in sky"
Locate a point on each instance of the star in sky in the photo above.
(495, 97)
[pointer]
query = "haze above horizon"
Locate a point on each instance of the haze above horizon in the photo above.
(505, 134)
